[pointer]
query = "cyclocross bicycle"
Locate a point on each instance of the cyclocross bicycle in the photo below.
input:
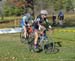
(45, 44)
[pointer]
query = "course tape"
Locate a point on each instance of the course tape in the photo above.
(67, 30)
(16, 30)
(10, 30)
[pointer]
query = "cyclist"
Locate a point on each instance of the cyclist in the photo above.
(39, 24)
(25, 22)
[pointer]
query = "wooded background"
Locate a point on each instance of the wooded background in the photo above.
(11, 11)
(18, 7)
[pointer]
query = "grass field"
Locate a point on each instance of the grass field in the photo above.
(11, 49)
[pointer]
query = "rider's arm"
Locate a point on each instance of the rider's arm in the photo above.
(49, 27)
(37, 21)
(48, 24)
(24, 19)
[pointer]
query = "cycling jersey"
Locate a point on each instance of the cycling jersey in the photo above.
(61, 16)
(40, 21)
(24, 21)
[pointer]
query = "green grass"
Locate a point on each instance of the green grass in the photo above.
(11, 49)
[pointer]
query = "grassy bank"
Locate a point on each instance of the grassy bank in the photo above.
(11, 49)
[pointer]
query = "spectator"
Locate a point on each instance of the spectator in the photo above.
(61, 18)
(54, 19)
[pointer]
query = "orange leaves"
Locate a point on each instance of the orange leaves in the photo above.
(20, 4)
(17, 3)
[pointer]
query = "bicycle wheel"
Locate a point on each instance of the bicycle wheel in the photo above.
(31, 46)
(51, 48)
(22, 38)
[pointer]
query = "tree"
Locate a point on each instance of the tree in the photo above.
(14, 7)
(37, 5)
(30, 5)
(59, 4)
(69, 5)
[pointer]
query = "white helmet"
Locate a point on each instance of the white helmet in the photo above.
(43, 12)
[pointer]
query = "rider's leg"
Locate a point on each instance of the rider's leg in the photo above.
(61, 20)
(25, 31)
(44, 31)
(35, 38)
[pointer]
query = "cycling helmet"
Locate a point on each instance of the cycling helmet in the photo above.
(44, 12)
